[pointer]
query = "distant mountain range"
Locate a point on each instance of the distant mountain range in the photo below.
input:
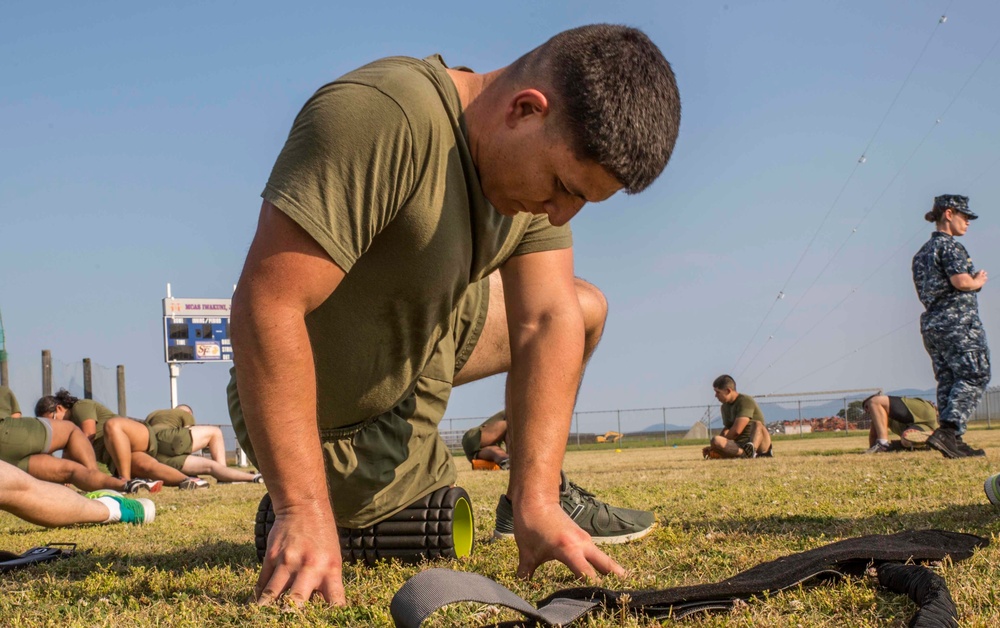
(788, 410)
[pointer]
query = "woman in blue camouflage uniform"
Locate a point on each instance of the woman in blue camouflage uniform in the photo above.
(947, 283)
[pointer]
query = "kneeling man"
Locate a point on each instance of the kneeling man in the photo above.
(911, 418)
(744, 433)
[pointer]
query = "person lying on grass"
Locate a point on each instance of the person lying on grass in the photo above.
(30, 443)
(121, 443)
(53, 505)
(177, 438)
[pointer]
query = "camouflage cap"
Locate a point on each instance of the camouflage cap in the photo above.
(956, 202)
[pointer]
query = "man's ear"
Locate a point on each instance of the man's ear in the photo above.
(525, 105)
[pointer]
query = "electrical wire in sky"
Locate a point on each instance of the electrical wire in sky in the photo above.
(861, 160)
(848, 354)
(853, 291)
(878, 199)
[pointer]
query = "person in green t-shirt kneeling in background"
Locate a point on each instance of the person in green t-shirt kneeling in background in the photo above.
(744, 433)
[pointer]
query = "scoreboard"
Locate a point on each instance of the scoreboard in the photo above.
(196, 330)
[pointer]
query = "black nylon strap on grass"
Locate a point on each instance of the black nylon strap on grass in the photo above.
(927, 589)
(429, 590)
(422, 594)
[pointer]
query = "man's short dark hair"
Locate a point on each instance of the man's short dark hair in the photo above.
(616, 95)
(724, 382)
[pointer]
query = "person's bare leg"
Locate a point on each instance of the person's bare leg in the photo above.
(147, 466)
(491, 356)
(210, 436)
(725, 447)
(74, 443)
(765, 440)
(44, 503)
(493, 454)
(197, 465)
(878, 410)
(759, 436)
(123, 438)
(64, 471)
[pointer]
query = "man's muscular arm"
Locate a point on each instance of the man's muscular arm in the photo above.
(737, 428)
(286, 276)
(546, 330)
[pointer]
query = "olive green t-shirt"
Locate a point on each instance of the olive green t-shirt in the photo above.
(743, 405)
(88, 409)
(169, 419)
(8, 403)
(377, 169)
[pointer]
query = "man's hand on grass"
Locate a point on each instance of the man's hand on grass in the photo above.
(302, 558)
(545, 533)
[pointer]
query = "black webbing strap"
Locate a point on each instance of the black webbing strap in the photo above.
(429, 590)
(927, 590)
(432, 589)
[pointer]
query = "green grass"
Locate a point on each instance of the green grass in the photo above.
(195, 565)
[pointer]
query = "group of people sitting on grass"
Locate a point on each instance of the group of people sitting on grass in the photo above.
(744, 433)
(139, 456)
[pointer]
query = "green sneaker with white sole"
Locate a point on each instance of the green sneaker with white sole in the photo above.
(605, 524)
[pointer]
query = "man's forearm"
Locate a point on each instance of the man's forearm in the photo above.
(277, 387)
(546, 364)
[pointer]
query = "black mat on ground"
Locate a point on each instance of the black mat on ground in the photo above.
(430, 590)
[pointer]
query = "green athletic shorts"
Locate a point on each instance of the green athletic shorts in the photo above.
(104, 456)
(923, 414)
(377, 467)
(173, 446)
(22, 438)
(472, 442)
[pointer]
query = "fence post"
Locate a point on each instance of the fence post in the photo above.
(121, 391)
(708, 413)
(46, 372)
(989, 425)
(241, 456)
(801, 431)
(88, 382)
(622, 437)
(576, 417)
(666, 440)
(847, 423)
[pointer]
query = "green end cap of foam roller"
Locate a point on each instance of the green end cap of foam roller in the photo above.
(462, 531)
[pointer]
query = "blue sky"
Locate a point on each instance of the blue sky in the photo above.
(138, 138)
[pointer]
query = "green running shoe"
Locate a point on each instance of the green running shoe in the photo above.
(605, 524)
(132, 510)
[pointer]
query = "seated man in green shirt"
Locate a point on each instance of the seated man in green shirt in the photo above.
(744, 433)
(911, 418)
(177, 438)
(8, 403)
(413, 237)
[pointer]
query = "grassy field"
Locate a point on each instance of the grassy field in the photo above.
(195, 565)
